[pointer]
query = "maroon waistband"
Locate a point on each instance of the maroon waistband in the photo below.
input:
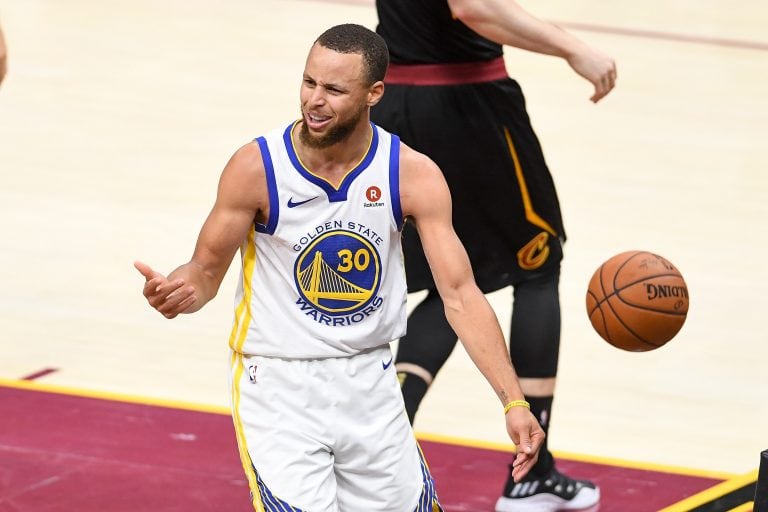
(446, 74)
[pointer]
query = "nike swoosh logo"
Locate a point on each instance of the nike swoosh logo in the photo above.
(291, 204)
(387, 364)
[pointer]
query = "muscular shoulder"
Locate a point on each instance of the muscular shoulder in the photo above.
(243, 182)
(247, 160)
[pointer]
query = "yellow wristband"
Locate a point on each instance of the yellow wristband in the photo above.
(516, 403)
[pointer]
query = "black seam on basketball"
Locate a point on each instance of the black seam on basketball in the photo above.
(617, 293)
(602, 287)
(632, 332)
(636, 306)
(645, 278)
(590, 293)
(621, 321)
(659, 311)
(624, 264)
(621, 266)
(600, 274)
(605, 325)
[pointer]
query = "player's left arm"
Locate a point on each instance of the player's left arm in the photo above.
(507, 22)
(426, 201)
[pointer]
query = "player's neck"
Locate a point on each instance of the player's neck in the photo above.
(333, 162)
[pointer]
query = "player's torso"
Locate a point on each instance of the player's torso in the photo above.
(425, 32)
(323, 277)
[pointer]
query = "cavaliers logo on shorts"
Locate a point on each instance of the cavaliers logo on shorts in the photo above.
(338, 273)
(534, 253)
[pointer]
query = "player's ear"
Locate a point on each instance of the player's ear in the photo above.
(375, 92)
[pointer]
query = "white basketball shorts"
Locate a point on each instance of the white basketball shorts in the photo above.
(327, 435)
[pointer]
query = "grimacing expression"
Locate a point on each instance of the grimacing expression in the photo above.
(334, 97)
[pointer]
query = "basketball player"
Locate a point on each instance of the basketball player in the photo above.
(449, 97)
(316, 209)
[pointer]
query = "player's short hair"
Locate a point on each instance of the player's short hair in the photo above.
(352, 38)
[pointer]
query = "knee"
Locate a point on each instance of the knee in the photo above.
(410, 370)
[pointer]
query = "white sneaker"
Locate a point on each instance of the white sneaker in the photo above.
(549, 494)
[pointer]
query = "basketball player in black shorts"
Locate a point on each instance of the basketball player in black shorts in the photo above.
(449, 96)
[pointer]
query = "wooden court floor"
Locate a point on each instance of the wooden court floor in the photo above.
(116, 119)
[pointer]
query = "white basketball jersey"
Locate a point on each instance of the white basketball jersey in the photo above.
(324, 277)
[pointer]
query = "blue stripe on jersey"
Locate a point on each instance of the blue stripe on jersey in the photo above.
(270, 502)
(334, 195)
(274, 202)
(394, 181)
(428, 499)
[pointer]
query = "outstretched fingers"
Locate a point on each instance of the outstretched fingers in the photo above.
(168, 297)
(177, 301)
(528, 437)
(527, 453)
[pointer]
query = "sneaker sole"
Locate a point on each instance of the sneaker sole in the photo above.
(586, 497)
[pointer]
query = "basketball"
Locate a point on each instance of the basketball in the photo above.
(637, 301)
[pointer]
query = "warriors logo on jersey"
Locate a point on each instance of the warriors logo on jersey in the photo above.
(338, 273)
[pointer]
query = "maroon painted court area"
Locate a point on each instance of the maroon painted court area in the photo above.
(64, 453)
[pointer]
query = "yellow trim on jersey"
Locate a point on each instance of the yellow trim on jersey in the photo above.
(530, 215)
(243, 311)
(242, 445)
(341, 181)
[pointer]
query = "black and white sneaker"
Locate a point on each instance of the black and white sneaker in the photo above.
(554, 492)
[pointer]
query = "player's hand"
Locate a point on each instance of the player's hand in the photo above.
(528, 436)
(168, 297)
(596, 67)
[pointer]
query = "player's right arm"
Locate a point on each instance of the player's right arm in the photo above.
(241, 199)
(506, 22)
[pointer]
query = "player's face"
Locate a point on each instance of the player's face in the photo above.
(334, 97)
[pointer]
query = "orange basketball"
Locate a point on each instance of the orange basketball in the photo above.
(637, 301)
